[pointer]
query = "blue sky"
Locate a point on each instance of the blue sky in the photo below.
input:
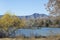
(23, 7)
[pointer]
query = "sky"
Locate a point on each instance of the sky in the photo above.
(23, 7)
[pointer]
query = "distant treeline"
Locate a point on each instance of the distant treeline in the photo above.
(53, 22)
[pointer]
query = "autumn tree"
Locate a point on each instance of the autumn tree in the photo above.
(10, 23)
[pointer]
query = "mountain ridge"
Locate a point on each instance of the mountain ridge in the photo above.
(34, 16)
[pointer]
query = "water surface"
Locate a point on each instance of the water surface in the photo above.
(37, 32)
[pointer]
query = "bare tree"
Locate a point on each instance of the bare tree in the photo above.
(53, 6)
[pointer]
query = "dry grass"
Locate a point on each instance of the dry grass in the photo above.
(22, 39)
(32, 38)
(29, 38)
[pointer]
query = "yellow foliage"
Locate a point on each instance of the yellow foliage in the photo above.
(10, 21)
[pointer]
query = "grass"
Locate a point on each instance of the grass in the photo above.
(49, 38)
(57, 37)
(21, 39)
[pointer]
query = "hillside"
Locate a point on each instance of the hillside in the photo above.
(34, 16)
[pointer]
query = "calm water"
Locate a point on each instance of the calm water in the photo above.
(37, 32)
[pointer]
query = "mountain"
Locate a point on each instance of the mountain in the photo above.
(34, 16)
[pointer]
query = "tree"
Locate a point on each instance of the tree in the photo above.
(9, 22)
(53, 6)
(40, 22)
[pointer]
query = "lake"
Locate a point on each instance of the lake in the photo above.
(37, 32)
